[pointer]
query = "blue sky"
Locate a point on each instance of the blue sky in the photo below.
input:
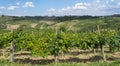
(59, 7)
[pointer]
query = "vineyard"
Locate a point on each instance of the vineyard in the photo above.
(59, 42)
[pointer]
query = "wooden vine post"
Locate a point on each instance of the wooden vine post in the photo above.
(101, 46)
(12, 52)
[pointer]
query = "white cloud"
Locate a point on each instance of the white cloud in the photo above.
(0, 11)
(28, 4)
(112, 0)
(81, 6)
(97, 1)
(2, 7)
(95, 7)
(51, 10)
(70, 10)
(77, 6)
(118, 3)
(12, 7)
(65, 9)
(17, 3)
(107, 2)
(92, 8)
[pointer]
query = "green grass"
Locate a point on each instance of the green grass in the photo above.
(101, 63)
(4, 31)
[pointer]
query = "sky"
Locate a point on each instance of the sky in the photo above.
(59, 7)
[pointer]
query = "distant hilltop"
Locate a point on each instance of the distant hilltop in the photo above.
(59, 18)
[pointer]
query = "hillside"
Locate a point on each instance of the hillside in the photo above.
(67, 39)
(73, 23)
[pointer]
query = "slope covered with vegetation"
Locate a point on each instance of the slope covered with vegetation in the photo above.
(75, 23)
(97, 37)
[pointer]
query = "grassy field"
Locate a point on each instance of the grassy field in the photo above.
(7, 63)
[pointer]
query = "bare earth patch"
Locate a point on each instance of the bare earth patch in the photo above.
(73, 56)
(12, 27)
(33, 25)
